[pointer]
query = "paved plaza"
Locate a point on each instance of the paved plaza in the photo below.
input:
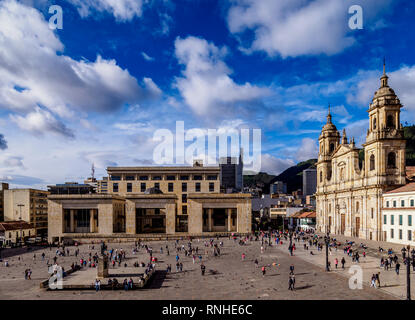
(227, 276)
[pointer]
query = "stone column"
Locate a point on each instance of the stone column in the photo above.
(210, 213)
(72, 220)
(229, 210)
(91, 220)
(171, 218)
(130, 217)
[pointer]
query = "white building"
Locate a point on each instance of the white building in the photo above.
(398, 213)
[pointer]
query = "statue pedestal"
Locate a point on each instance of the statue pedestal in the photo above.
(102, 270)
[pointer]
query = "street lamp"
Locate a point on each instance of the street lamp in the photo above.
(20, 219)
(408, 275)
(327, 241)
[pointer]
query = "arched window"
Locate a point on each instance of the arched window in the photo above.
(321, 176)
(374, 123)
(372, 162)
(391, 160)
(357, 206)
(331, 147)
(342, 174)
(390, 123)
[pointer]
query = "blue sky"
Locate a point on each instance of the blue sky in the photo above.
(97, 90)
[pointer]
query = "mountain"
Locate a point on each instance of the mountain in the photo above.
(293, 176)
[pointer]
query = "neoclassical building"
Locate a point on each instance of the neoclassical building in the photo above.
(350, 180)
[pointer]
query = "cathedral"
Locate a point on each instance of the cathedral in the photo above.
(351, 180)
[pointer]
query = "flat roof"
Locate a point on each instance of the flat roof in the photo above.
(167, 169)
(85, 196)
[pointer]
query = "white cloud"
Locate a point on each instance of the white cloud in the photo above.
(41, 121)
(34, 73)
(206, 85)
(298, 27)
(147, 57)
(307, 150)
(122, 10)
(13, 161)
(273, 165)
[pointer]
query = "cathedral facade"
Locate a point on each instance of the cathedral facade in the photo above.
(351, 180)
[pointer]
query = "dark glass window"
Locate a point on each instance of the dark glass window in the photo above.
(129, 178)
(156, 177)
(184, 209)
(372, 162)
(391, 160)
(211, 187)
(115, 178)
(212, 177)
(115, 187)
(197, 177)
(171, 178)
(143, 187)
(157, 185)
(197, 187)
(184, 177)
(143, 177)
(184, 198)
(184, 187)
(171, 186)
(129, 187)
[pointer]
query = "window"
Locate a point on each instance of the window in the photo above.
(412, 202)
(374, 123)
(170, 186)
(143, 187)
(129, 178)
(409, 235)
(156, 177)
(212, 177)
(115, 187)
(372, 163)
(390, 123)
(184, 198)
(331, 147)
(321, 176)
(402, 203)
(391, 233)
(184, 209)
(400, 219)
(115, 178)
(157, 185)
(392, 220)
(184, 177)
(171, 178)
(385, 220)
(410, 221)
(394, 203)
(197, 187)
(400, 234)
(211, 187)
(371, 213)
(129, 187)
(184, 187)
(391, 160)
(143, 177)
(387, 204)
(198, 177)
(157, 211)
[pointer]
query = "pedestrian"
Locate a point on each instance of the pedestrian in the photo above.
(97, 285)
(291, 282)
(243, 256)
(256, 263)
(377, 279)
(125, 284)
(397, 267)
(203, 269)
(336, 262)
(263, 271)
(373, 281)
(343, 261)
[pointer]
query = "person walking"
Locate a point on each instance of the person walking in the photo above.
(256, 263)
(397, 267)
(336, 262)
(97, 285)
(377, 275)
(202, 269)
(373, 281)
(343, 261)
(291, 282)
(263, 271)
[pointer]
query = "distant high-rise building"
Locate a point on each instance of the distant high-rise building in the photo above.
(279, 187)
(309, 181)
(231, 173)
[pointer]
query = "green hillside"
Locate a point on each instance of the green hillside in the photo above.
(293, 176)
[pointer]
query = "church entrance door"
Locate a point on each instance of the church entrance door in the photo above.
(343, 223)
(357, 226)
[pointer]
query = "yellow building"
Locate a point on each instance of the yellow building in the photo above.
(349, 191)
(3, 186)
(12, 232)
(28, 205)
(151, 200)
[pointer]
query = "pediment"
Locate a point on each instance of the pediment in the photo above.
(342, 149)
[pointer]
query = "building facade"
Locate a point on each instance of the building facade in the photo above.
(398, 213)
(151, 200)
(29, 205)
(12, 232)
(3, 186)
(231, 173)
(351, 181)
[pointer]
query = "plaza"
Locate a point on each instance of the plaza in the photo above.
(228, 276)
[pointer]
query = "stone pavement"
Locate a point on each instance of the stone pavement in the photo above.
(227, 276)
(390, 282)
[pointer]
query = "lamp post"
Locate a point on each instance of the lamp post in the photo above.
(20, 219)
(408, 275)
(327, 241)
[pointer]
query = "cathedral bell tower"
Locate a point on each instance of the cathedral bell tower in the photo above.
(385, 143)
(328, 141)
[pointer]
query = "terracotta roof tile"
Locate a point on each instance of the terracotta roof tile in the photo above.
(406, 188)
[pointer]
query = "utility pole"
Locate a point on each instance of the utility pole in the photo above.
(20, 219)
